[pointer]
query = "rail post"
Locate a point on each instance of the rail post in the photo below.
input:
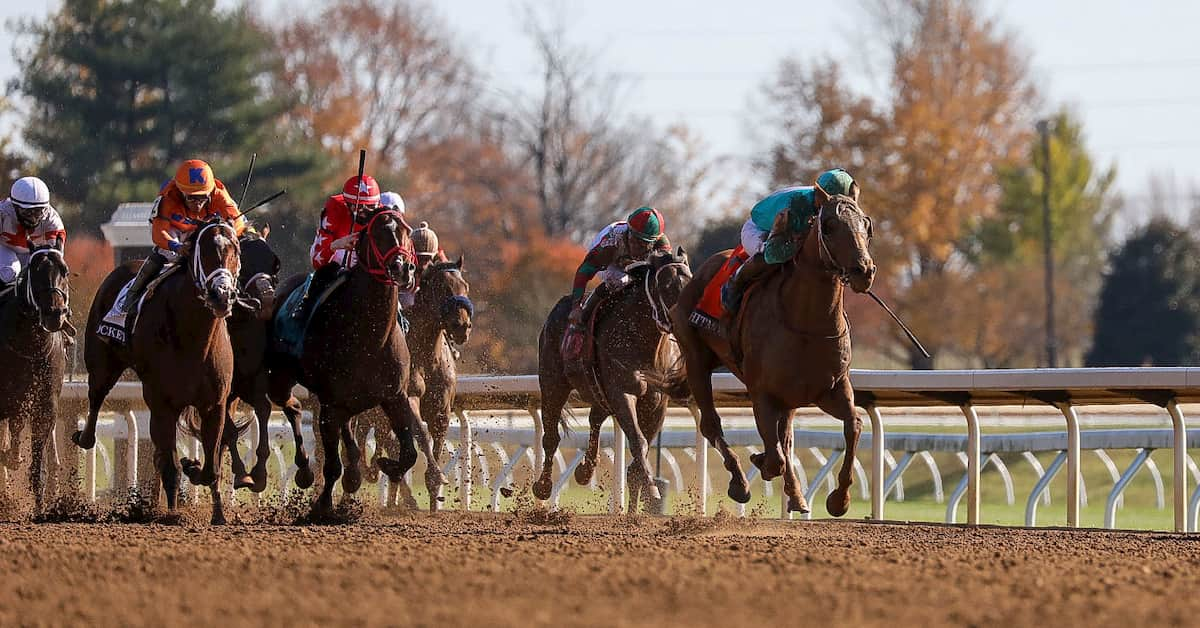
(1179, 446)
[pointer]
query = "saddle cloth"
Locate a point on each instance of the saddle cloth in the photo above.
(290, 328)
(709, 310)
(116, 325)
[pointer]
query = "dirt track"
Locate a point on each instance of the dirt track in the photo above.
(534, 569)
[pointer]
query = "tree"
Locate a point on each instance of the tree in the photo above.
(958, 106)
(1149, 310)
(121, 91)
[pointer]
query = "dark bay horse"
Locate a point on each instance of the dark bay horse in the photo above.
(249, 331)
(355, 356)
(181, 351)
(31, 318)
(789, 344)
(441, 313)
(632, 338)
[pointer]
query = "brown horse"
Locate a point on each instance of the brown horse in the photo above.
(180, 349)
(355, 356)
(31, 318)
(249, 330)
(632, 338)
(789, 344)
(441, 313)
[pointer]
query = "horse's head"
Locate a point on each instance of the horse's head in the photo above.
(260, 271)
(215, 265)
(667, 274)
(844, 236)
(445, 287)
(45, 289)
(385, 249)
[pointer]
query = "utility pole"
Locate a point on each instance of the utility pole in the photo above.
(1043, 127)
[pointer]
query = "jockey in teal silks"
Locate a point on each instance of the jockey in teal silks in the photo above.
(764, 254)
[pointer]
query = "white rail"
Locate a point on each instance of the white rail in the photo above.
(1064, 389)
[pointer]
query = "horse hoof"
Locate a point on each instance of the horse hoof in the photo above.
(304, 477)
(260, 479)
(392, 469)
(351, 481)
(838, 502)
(739, 493)
(243, 481)
(541, 489)
(218, 519)
(757, 460)
(84, 440)
(798, 505)
(583, 474)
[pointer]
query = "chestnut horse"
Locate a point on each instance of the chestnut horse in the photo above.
(180, 349)
(632, 338)
(355, 356)
(31, 347)
(249, 330)
(789, 344)
(441, 313)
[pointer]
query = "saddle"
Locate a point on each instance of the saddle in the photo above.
(710, 310)
(118, 327)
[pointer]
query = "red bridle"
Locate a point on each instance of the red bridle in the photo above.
(377, 261)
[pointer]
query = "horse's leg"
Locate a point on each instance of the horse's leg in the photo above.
(699, 374)
(208, 472)
(279, 391)
(262, 453)
(554, 397)
(626, 416)
(237, 467)
(424, 439)
(769, 416)
(403, 421)
(11, 457)
(791, 484)
(583, 473)
(362, 428)
(652, 412)
(104, 370)
(40, 430)
(352, 476)
(163, 433)
(331, 422)
(839, 403)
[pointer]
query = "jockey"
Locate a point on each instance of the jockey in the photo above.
(343, 218)
(392, 201)
(27, 222)
(425, 245)
(800, 200)
(189, 199)
(614, 248)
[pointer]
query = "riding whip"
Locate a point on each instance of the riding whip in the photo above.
(899, 322)
(249, 173)
(261, 203)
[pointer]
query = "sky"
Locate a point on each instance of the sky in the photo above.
(1129, 70)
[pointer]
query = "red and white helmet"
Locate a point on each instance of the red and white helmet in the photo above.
(364, 192)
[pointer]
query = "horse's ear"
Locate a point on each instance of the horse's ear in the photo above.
(820, 196)
(854, 191)
(265, 231)
(459, 263)
(679, 252)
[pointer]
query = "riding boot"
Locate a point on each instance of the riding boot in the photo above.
(321, 278)
(149, 270)
(732, 291)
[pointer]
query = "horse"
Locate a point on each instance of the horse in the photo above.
(31, 317)
(355, 356)
(632, 338)
(441, 313)
(789, 343)
(249, 330)
(181, 351)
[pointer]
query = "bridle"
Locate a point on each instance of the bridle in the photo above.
(831, 263)
(25, 286)
(659, 310)
(204, 280)
(377, 261)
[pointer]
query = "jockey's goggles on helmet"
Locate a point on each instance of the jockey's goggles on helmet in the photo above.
(197, 199)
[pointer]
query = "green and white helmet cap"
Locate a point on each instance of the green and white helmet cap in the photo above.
(836, 181)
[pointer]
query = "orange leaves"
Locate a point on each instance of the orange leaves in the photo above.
(90, 259)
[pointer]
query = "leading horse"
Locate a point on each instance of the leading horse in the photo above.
(31, 318)
(355, 356)
(789, 344)
(632, 338)
(181, 351)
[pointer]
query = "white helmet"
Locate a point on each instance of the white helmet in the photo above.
(31, 198)
(391, 200)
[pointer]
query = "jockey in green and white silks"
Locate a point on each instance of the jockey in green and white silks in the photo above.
(614, 248)
(764, 253)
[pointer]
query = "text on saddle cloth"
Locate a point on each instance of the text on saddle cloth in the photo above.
(116, 325)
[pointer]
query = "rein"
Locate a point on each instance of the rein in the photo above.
(24, 286)
(376, 262)
(659, 310)
(203, 279)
